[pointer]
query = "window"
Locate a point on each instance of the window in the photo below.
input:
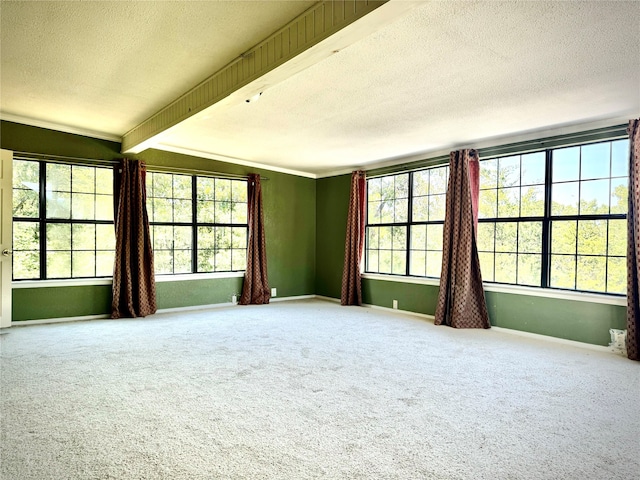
(198, 224)
(404, 222)
(554, 219)
(62, 221)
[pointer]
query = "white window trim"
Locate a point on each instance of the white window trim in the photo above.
(82, 282)
(513, 290)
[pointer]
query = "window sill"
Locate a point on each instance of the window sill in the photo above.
(81, 282)
(513, 290)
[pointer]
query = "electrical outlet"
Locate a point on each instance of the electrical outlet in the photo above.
(395, 304)
(234, 299)
(274, 292)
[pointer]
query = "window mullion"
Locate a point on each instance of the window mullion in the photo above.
(194, 224)
(41, 217)
(409, 223)
(546, 223)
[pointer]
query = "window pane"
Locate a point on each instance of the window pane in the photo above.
(83, 206)
(508, 171)
(239, 191)
(58, 205)
(162, 262)
(162, 185)
(58, 264)
(421, 183)
(372, 238)
(25, 203)
(182, 187)
(563, 237)
(591, 274)
(58, 177)
(399, 263)
(105, 237)
(506, 237)
(223, 212)
(104, 264)
(26, 236)
(488, 174)
(486, 266)
(616, 275)
(205, 188)
(26, 174)
(239, 214)
(509, 202)
(222, 189)
(26, 265)
(618, 237)
(399, 238)
(595, 161)
(206, 261)
(419, 237)
(206, 211)
(373, 190)
(372, 261)
(385, 238)
(620, 158)
(488, 201)
(83, 179)
(566, 164)
(182, 238)
(486, 235)
(564, 199)
(206, 238)
(529, 268)
(401, 210)
(59, 236)
(418, 263)
(420, 209)
(619, 195)
(438, 178)
(434, 237)
(434, 263)
(104, 207)
(592, 237)
(83, 237)
(384, 258)
(563, 271)
(533, 168)
(239, 260)
(182, 211)
(104, 181)
(437, 206)
(84, 264)
(530, 237)
(594, 197)
(532, 201)
(401, 186)
(162, 210)
(506, 264)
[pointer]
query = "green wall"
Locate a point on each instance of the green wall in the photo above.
(331, 215)
(572, 320)
(305, 224)
(290, 231)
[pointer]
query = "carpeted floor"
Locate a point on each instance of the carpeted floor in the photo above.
(309, 389)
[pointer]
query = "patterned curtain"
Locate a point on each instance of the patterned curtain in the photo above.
(134, 287)
(461, 302)
(633, 242)
(354, 242)
(255, 289)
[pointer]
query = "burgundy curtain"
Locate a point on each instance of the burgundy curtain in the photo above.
(354, 242)
(461, 302)
(255, 289)
(134, 287)
(633, 242)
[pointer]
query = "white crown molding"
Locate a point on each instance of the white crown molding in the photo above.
(480, 144)
(9, 117)
(237, 161)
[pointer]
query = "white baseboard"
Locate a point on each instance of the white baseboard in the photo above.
(60, 320)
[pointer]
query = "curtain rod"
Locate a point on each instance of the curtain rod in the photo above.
(151, 168)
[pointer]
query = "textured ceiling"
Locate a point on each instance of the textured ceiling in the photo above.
(443, 75)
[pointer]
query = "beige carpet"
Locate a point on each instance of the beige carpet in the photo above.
(309, 389)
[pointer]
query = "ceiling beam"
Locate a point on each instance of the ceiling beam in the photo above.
(321, 21)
